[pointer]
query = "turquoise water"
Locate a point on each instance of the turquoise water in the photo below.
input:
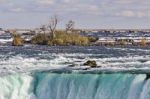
(75, 86)
(18, 79)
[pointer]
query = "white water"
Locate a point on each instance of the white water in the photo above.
(16, 87)
(3, 41)
(22, 63)
(71, 86)
(74, 86)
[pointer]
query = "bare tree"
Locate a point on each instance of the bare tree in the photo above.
(70, 26)
(52, 25)
(43, 29)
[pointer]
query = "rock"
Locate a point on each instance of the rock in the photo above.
(147, 76)
(18, 68)
(4, 68)
(143, 61)
(72, 65)
(91, 63)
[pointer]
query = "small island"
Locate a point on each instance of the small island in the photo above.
(49, 35)
(70, 36)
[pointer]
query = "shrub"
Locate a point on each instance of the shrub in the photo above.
(61, 38)
(41, 39)
(143, 42)
(122, 42)
(92, 39)
(81, 41)
(50, 43)
(17, 40)
(57, 41)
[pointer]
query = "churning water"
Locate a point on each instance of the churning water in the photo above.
(42, 72)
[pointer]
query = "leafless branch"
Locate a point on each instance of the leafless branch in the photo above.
(52, 25)
(70, 26)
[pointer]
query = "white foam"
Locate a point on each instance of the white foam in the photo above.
(6, 40)
(23, 63)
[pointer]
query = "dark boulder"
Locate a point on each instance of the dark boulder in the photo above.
(91, 63)
(147, 76)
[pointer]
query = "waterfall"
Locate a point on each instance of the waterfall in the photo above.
(16, 87)
(74, 86)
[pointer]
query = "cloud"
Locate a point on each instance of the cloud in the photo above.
(46, 2)
(126, 14)
(125, 1)
(17, 10)
(66, 1)
(133, 14)
(2, 0)
(85, 11)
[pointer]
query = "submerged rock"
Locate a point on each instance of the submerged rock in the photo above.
(91, 63)
(147, 76)
(18, 68)
(142, 61)
(73, 65)
(4, 68)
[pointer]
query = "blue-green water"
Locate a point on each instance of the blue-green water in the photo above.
(74, 86)
(63, 75)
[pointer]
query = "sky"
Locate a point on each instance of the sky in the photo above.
(94, 14)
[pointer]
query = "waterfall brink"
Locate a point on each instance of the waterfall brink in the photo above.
(89, 86)
(16, 87)
(75, 86)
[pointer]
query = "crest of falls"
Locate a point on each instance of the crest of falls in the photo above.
(74, 86)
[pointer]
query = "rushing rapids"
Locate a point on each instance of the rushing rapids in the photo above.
(57, 72)
(74, 86)
(29, 57)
